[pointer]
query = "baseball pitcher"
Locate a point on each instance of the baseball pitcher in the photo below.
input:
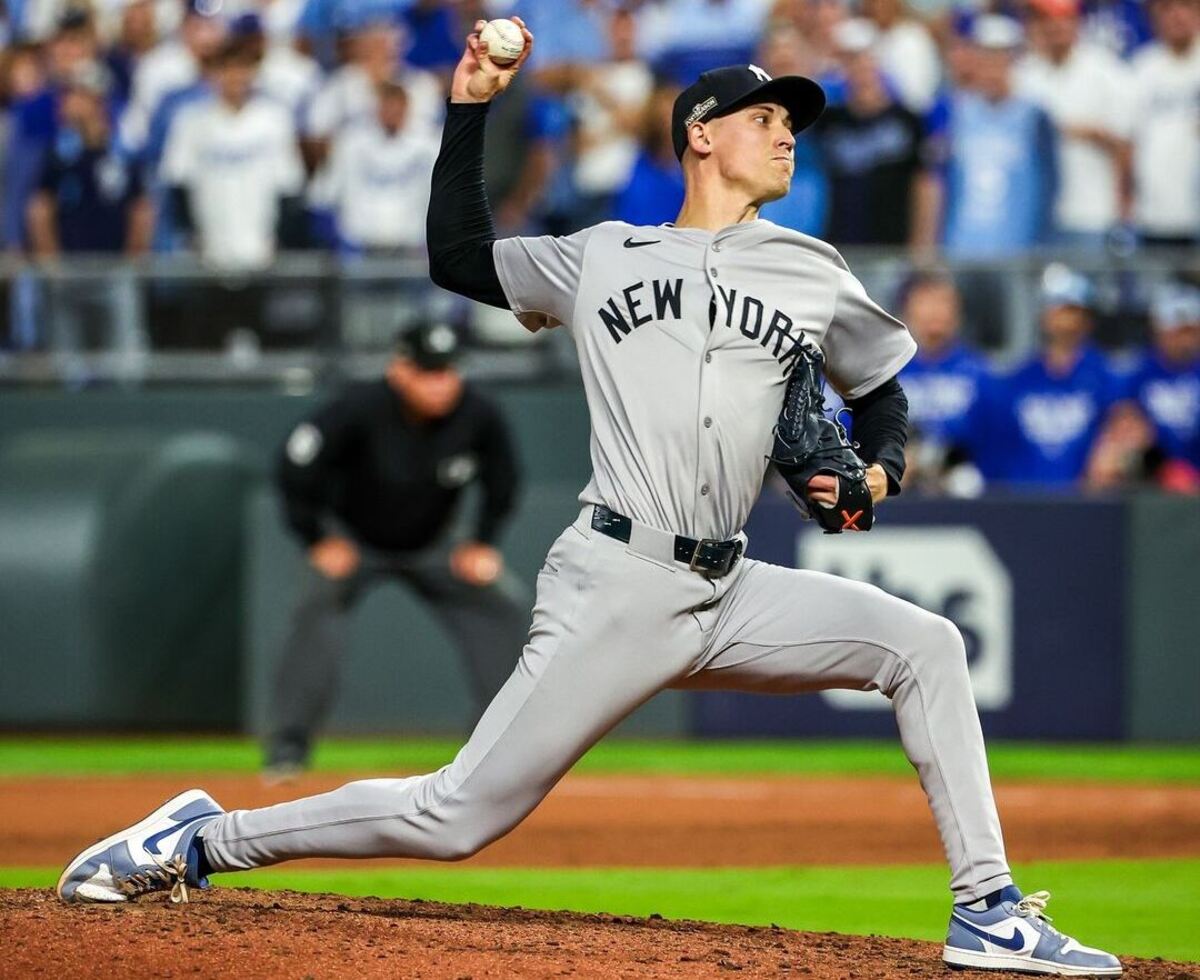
(702, 344)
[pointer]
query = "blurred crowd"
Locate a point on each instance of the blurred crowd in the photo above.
(975, 130)
(1066, 416)
(236, 128)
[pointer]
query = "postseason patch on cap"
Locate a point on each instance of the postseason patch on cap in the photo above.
(699, 109)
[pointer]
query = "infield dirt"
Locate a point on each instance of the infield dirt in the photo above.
(251, 934)
(586, 821)
(640, 821)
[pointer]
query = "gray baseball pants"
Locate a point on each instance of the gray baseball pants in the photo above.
(488, 625)
(613, 625)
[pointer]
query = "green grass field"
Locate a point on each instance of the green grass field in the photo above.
(1142, 908)
(23, 756)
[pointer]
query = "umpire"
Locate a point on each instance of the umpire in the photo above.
(370, 485)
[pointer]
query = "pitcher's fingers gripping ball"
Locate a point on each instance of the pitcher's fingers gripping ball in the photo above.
(504, 41)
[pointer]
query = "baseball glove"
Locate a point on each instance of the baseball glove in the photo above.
(808, 443)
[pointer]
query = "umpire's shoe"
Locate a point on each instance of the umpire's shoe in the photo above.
(1012, 932)
(153, 855)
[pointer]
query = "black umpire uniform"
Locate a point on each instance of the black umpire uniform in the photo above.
(377, 475)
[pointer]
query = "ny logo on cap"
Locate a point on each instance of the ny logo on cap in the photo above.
(762, 75)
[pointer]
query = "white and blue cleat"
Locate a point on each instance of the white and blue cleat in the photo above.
(154, 854)
(1015, 934)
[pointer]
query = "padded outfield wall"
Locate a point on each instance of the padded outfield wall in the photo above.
(141, 551)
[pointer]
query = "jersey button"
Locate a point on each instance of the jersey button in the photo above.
(716, 246)
(708, 358)
(707, 422)
(713, 272)
(704, 490)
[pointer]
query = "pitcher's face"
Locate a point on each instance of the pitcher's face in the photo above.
(753, 148)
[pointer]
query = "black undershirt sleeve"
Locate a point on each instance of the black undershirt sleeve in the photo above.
(881, 429)
(458, 229)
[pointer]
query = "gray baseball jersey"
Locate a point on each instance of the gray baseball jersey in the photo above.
(685, 341)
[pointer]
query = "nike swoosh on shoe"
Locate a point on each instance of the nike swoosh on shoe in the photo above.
(1015, 942)
(151, 842)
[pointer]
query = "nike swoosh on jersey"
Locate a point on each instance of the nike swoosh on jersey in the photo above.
(630, 243)
(151, 842)
(1015, 942)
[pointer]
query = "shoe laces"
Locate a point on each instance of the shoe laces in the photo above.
(155, 877)
(1033, 906)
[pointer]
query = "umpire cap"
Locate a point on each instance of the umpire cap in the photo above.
(431, 346)
(722, 90)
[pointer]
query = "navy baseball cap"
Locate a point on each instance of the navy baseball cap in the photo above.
(722, 90)
(431, 346)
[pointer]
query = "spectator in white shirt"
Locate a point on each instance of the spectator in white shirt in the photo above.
(172, 65)
(608, 107)
(376, 184)
(377, 181)
(350, 94)
(234, 167)
(1084, 89)
(1166, 131)
(906, 53)
(284, 73)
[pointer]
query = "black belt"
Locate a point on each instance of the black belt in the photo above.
(705, 555)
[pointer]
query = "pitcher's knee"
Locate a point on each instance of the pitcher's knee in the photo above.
(457, 848)
(938, 640)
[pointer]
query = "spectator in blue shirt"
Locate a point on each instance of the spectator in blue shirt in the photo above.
(805, 207)
(654, 193)
(44, 72)
(992, 182)
(682, 38)
(436, 36)
(1038, 423)
(943, 382)
(944, 378)
(30, 126)
(89, 200)
(1166, 383)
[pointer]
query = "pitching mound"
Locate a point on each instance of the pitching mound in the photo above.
(244, 933)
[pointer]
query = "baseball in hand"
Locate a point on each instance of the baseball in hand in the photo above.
(504, 41)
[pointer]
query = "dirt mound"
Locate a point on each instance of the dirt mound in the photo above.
(244, 933)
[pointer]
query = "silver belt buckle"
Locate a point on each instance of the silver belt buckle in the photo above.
(696, 555)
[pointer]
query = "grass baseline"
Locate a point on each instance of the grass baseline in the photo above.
(1135, 908)
(62, 756)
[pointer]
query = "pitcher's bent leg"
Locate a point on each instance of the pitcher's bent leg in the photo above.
(585, 667)
(787, 630)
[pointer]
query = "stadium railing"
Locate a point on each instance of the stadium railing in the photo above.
(311, 317)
